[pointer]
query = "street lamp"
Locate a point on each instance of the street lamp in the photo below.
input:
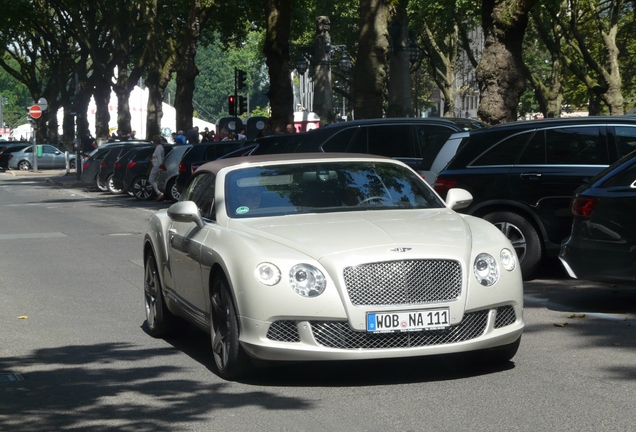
(302, 64)
(345, 62)
(414, 52)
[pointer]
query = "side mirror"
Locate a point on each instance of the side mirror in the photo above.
(457, 198)
(185, 211)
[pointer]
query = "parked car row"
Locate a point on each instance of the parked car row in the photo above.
(124, 167)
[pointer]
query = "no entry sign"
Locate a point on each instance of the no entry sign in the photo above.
(35, 111)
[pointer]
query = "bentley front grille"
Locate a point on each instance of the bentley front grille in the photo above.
(338, 334)
(505, 316)
(283, 331)
(405, 282)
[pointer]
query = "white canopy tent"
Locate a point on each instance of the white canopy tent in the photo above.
(138, 103)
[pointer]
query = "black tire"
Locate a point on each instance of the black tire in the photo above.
(24, 165)
(99, 185)
(171, 191)
(230, 359)
(111, 185)
(142, 189)
(71, 164)
(160, 321)
(524, 238)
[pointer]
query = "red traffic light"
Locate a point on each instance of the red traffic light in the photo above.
(231, 106)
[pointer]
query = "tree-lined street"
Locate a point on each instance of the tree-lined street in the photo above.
(74, 354)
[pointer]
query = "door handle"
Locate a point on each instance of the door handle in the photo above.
(530, 176)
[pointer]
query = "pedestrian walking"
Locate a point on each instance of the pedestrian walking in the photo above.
(155, 161)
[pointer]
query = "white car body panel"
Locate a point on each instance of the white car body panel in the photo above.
(331, 242)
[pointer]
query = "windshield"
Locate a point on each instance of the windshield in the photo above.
(325, 187)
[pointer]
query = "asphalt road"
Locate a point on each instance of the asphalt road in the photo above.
(74, 354)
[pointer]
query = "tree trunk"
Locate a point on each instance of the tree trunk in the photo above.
(613, 96)
(184, 94)
(400, 95)
(276, 50)
(187, 70)
(443, 63)
(500, 71)
(156, 83)
(549, 97)
(102, 113)
(370, 72)
(595, 104)
(323, 93)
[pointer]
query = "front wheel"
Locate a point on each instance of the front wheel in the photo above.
(230, 359)
(110, 184)
(173, 192)
(142, 189)
(159, 319)
(102, 187)
(24, 165)
(524, 238)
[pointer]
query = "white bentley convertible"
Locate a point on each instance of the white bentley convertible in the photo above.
(329, 257)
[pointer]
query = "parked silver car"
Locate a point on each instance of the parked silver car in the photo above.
(49, 157)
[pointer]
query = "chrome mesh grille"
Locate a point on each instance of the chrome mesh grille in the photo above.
(283, 331)
(338, 334)
(505, 316)
(403, 282)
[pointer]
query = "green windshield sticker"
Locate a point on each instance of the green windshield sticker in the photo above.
(242, 210)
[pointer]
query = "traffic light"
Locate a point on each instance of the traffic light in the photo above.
(242, 107)
(231, 105)
(241, 76)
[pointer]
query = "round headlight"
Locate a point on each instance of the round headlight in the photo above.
(267, 274)
(508, 259)
(486, 269)
(306, 280)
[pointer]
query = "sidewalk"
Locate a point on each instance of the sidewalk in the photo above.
(56, 177)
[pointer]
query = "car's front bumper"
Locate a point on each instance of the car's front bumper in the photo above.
(305, 340)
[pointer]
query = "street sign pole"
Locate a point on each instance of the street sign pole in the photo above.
(35, 112)
(35, 146)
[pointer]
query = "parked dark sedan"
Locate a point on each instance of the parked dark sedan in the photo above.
(169, 171)
(106, 166)
(90, 167)
(201, 153)
(6, 152)
(135, 179)
(602, 244)
(522, 175)
(121, 165)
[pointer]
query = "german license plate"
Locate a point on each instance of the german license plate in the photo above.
(429, 319)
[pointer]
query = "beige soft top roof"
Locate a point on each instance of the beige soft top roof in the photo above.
(219, 164)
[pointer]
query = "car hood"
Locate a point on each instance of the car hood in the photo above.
(320, 235)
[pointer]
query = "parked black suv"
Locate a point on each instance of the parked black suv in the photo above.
(414, 141)
(522, 175)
